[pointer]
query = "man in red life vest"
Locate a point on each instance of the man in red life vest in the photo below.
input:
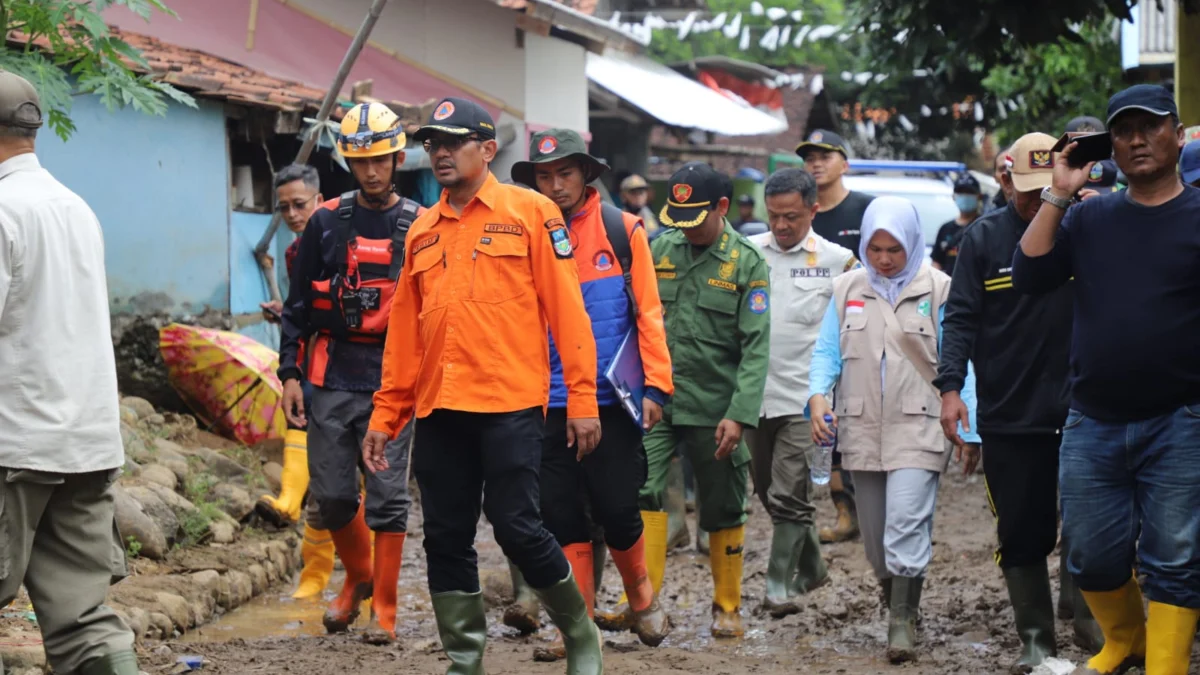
(341, 294)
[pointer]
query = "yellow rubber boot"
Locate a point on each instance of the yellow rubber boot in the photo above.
(654, 535)
(654, 529)
(1169, 633)
(726, 557)
(317, 553)
(285, 508)
(1123, 623)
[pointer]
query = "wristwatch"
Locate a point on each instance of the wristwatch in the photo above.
(1053, 200)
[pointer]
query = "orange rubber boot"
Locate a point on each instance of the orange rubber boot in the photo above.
(353, 544)
(651, 623)
(389, 549)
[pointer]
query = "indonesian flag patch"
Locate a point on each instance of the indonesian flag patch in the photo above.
(855, 306)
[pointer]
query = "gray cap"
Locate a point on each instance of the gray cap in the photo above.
(19, 104)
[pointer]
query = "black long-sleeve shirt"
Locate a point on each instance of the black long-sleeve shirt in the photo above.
(1136, 273)
(1019, 343)
(353, 366)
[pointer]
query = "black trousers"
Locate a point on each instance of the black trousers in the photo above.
(608, 480)
(463, 461)
(1022, 485)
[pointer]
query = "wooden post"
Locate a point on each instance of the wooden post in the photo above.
(1187, 66)
(364, 31)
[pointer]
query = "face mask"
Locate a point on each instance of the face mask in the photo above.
(967, 203)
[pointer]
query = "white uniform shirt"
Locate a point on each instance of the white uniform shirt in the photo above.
(58, 402)
(801, 287)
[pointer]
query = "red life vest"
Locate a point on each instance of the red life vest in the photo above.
(354, 304)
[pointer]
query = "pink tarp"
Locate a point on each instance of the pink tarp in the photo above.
(287, 44)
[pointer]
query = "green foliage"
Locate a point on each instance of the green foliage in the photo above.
(195, 523)
(81, 50)
(133, 547)
(952, 36)
(198, 489)
(1058, 81)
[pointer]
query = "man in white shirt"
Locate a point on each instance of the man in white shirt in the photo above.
(803, 265)
(60, 438)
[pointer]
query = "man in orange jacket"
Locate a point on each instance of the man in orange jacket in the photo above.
(467, 355)
(620, 291)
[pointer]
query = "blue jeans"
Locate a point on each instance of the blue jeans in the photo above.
(1119, 481)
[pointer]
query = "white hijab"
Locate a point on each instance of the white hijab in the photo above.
(898, 217)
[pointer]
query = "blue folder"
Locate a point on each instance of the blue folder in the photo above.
(626, 375)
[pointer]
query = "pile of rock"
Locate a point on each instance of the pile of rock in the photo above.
(175, 495)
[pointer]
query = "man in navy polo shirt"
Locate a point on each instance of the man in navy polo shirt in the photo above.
(1130, 457)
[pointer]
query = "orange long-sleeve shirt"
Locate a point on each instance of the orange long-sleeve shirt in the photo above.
(469, 319)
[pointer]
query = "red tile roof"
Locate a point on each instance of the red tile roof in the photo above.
(207, 76)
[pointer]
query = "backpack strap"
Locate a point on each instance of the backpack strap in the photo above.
(618, 238)
(345, 231)
(408, 213)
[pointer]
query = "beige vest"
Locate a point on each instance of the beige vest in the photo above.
(899, 427)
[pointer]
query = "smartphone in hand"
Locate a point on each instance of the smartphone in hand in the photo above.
(1092, 147)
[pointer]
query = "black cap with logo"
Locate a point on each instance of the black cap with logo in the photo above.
(459, 117)
(1103, 176)
(822, 139)
(692, 193)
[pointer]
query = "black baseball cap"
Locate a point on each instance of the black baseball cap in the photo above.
(692, 193)
(459, 117)
(966, 184)
(1084, 124)
(747, 199)
(1150, 98)
(822, 139)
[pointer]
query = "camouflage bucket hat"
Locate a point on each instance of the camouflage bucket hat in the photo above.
(555, 144)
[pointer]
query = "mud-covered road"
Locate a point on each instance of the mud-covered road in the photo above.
(967, 622)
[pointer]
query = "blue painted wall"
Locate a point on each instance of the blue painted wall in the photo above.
(160, 187)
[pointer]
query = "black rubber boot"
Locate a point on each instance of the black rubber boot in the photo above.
(1088, 635)
(1029, 592)
(462, 625)
(902, 619)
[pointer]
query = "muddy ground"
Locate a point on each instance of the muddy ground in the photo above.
(967, 622)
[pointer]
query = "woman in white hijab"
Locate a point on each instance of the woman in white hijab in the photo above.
(879, 346)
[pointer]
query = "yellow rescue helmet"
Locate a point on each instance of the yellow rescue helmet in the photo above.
(370, 130)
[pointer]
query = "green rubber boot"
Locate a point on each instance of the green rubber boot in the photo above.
(120, 663)
(786, 543)
(902, 619)
(1029, 591)
(524, 613)
(569, 612)
(462, 626)
(811, 571)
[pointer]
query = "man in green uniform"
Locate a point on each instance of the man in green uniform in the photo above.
(716, 300)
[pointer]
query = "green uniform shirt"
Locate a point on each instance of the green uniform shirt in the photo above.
(718, 318)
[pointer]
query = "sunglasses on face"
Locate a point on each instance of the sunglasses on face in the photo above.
(451, 143)
(297, 205)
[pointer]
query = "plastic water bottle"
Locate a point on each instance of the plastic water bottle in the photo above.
(822, 460)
